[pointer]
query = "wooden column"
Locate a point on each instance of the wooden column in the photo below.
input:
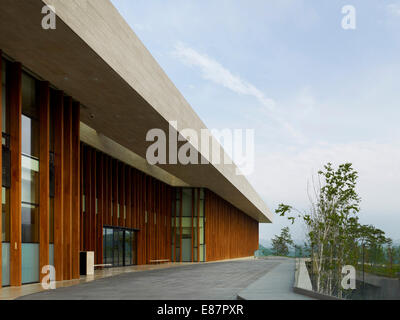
(81, 200)
(87, 182)
(192, 249)
(115, 192)
(173, 227)
(180, 225)
(121, 194)
(100, 214)
(135, 198)
(1, 163)
(129, 198)
(58, 184)
(198, 224)
(76, 189)
(15, 107)
(93, 217)
(67, 216)
(108, 191)
(44, 175)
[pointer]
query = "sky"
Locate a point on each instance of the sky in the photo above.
(313, 91)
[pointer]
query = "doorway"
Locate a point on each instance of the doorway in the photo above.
(119, 246)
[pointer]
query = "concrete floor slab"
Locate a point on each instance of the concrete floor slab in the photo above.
(277, 284)
(209, 281)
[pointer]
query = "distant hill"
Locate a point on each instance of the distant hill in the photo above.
(264, 251)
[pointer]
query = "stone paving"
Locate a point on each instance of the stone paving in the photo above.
(208, 281)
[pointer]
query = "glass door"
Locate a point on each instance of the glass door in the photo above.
(119, 246)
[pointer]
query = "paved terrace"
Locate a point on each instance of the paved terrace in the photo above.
(219, 281)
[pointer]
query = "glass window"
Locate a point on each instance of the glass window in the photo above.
(30, 137)
(30, 180)
(109, 247)
(6, 181)
(29, 102)
(186, 202)
(3, 95)
(51, 220)
(30, 223)
(121, 247)
(115, 248)
(29, 161)
(128, 248)
(5, 234)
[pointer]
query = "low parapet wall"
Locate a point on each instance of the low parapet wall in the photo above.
(303, 285)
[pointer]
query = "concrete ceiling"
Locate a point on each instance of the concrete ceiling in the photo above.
(95, 57)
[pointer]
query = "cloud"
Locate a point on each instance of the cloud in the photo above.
(394, 9)
(282, 176)
(213, 71)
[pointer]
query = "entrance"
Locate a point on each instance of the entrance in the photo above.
(119, 246)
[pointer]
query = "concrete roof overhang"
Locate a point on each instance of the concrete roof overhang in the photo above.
(94, 56)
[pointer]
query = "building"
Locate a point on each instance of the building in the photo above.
(77, 102)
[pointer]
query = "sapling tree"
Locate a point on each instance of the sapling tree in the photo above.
(330, 221)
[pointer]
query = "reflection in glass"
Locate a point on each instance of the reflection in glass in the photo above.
(5, 233)
(119, 246)
(51, 221)
(30, 137)
(30, 180)
(29, 98)
(30, 223)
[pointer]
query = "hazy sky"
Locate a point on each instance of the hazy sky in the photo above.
(312, 91)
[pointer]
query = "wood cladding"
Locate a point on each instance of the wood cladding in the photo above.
(118, 195)
(76, 187)
(93, 190)
(14, 97)
(229, 232)
(44, 174)
(58, 182)
(1, 165)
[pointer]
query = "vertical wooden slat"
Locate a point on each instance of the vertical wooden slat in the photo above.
(180, 226)
(67, 216)
(15, 107)
(129, 198)
(198, 224)
(100, 214)
(106, 187)
(149, 220)
(146, 209)
(115, 192)
(173, 226)
(58, 183)
(105, 190)
(229, 232)
(135, 200)
(44, 174)
(93, 194)
(122, 196)
(76, 192)
(81, 226)
(87, 182)
(109, 192)
(1, 159)
(192, 252)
